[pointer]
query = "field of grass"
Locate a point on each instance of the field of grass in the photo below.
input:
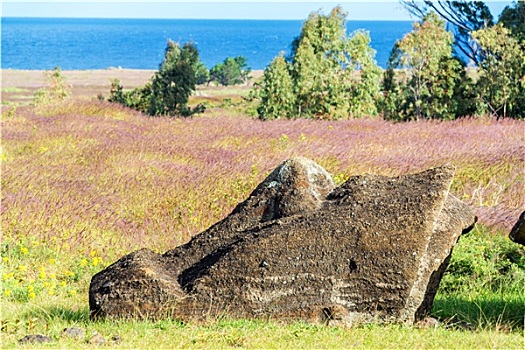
(86, 182)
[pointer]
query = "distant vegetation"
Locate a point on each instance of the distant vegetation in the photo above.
(232, 71)
(330, 76)
(327, 76)
(171, 86)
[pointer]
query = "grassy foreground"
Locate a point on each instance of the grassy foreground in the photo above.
(85, 182)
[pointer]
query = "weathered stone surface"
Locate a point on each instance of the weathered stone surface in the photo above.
(517, 234)
(373, 249)
(76, 333)
(35, 338)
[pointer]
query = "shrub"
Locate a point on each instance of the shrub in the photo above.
(171, 86)
(232, 71)
(276, 91)
(57, 89)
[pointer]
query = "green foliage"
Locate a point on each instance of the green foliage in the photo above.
(513, 18)
(485, 262)
(462, 17)
(484, 282)
(423, 80)
(202, 74)
(232, 71)
(276, 91)
(171, 86)
(57, 89)
(138, 99)
(333, 76)
(502, 72)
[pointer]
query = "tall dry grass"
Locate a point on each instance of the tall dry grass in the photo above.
(91, 175)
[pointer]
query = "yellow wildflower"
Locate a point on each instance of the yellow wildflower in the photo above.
(22, 268)
(83, 263)
(30, 288)
(51, 291)
(73, 292)
(5, 259)
(96, 261)
(7, 292)
(5, 276)
(42, 275)
(63, 283)
(24, 250)
(93, 253)
(31, 295)
(52, 261)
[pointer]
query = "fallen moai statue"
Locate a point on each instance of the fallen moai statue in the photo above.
(371, 250)
(517, 234)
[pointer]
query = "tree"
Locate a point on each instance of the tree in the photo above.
(333, 76)
(422, 76)
(170, 88)
(464, 17)
(174, 82)
(513, 18)
(502, 72)
(276, 91)
(232, 71)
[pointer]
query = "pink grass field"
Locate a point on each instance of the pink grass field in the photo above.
(91, 175)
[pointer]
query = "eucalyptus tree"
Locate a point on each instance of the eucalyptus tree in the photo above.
(422, 77)
(333, 75)
(501, 84)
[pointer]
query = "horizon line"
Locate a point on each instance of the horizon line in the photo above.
(206, 19)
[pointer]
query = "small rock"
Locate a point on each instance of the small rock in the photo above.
(428, 322)
(35, 338)
(116, 339)
(97, 339)
(76, 333)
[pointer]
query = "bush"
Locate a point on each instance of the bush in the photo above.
(171, 86)
(57, 89)
(276, 91)
(232, 71)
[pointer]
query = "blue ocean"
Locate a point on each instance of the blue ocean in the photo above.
(44, 43)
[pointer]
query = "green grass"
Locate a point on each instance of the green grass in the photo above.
(224, 333)
(480, 302)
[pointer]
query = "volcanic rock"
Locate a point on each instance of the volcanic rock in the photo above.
(35, 338)
(517, 234)
(371, 250)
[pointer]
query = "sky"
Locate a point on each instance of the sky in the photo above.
(211, 9)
